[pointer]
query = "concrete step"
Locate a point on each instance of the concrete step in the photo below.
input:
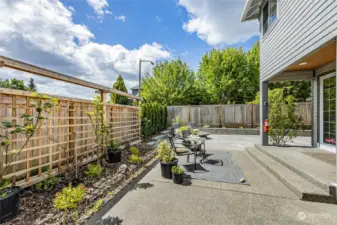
(313, 179)
(166, 132)
(303, 188)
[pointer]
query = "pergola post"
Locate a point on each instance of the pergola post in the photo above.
(314, 103)
(263, 111)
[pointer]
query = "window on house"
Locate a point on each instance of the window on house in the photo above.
(269, 14)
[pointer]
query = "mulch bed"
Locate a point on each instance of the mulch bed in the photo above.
(36, 207)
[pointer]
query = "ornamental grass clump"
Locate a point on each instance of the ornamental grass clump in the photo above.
(134, 157)
(177, 170)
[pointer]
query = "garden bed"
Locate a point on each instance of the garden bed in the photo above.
(36, 206)
(245, 131)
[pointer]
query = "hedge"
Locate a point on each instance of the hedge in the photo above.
(153, 118)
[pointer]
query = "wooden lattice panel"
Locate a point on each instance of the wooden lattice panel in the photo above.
(67, 136)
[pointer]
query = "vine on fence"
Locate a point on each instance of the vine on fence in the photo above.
(153, 118)
(43, 106)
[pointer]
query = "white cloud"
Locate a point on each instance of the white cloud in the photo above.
(100, 7)
(121, 18)
(218, 21)
(42, 32)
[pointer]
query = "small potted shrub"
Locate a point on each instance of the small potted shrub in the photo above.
(183, 129)
(178, 174)
(167, 159)
(195, 132)
(114, 153)
(176, 122)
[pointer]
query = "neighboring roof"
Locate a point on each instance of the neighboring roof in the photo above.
(251, 10)
(135, 87)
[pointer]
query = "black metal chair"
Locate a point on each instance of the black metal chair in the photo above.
(183, 151)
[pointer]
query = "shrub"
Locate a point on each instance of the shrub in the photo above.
(176, 120)
(177, 170)
(134, 151)
(195, 131)
(153, 118)
(135, 159)
(94, 170)
(47, 184)
(283, 122)
(206, 126)
(165, 152)
(181, 129)
(69, 197)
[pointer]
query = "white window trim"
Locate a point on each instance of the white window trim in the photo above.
(322, 145)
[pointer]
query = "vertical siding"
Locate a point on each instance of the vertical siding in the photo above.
(302, 27)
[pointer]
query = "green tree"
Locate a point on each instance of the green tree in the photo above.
(119, 85)
(283, 121)
(172, 83)
(31, 85)
(229, 75)
(301, 90)
(13, 84)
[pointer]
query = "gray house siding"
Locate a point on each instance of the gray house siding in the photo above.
(302, 27)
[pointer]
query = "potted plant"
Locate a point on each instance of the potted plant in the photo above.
(183, 129)
(10, 195)
(178, 174)
(175, 122)
(195, 132)
(167, 159)
(114, 153)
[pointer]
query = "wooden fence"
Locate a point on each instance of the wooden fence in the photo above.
(66, 137)
(245, 115)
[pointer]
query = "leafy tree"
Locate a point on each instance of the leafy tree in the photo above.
(172, 83)
(229, 75)
(301, 90)
(119, 85)
(31, 85)
(13, 84)
(283, 121)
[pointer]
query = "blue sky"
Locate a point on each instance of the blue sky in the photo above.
(98, 39)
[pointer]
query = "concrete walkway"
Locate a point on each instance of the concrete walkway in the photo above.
(157, 201)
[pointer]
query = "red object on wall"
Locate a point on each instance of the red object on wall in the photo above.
(266, 126)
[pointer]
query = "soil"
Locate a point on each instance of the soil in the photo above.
(36, 206)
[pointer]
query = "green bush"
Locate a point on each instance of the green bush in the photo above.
(47, 184)
(165, 152)
(283, 121)
(135, 159)
(153, 118)
(134, 151)
(94, 170)
(69, 197)
(177, 170)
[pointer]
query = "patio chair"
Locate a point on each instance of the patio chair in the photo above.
(193, 126)
(182, 151)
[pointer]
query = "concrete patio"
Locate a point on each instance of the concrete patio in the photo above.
(265, 201)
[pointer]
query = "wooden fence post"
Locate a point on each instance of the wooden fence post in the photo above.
(252, 115)
(14, 136)
(71, 136)
(103, 100)
(189, 113)
(139, 121)
(220, 119)
(28, 144)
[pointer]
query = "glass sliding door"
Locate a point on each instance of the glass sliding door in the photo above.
(328, 110)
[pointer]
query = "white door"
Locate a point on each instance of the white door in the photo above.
(328, 112)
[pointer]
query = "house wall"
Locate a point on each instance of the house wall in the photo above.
(301, 28)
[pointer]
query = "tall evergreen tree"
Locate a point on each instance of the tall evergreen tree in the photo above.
(119, 85)
(31, 85)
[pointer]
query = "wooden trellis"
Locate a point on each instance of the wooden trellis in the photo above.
(66, 137)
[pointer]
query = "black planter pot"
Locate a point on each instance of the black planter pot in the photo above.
(9, 204)
(114, 156)
(166, 168)
(178, 178)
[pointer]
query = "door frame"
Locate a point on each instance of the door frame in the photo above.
(327, 147)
